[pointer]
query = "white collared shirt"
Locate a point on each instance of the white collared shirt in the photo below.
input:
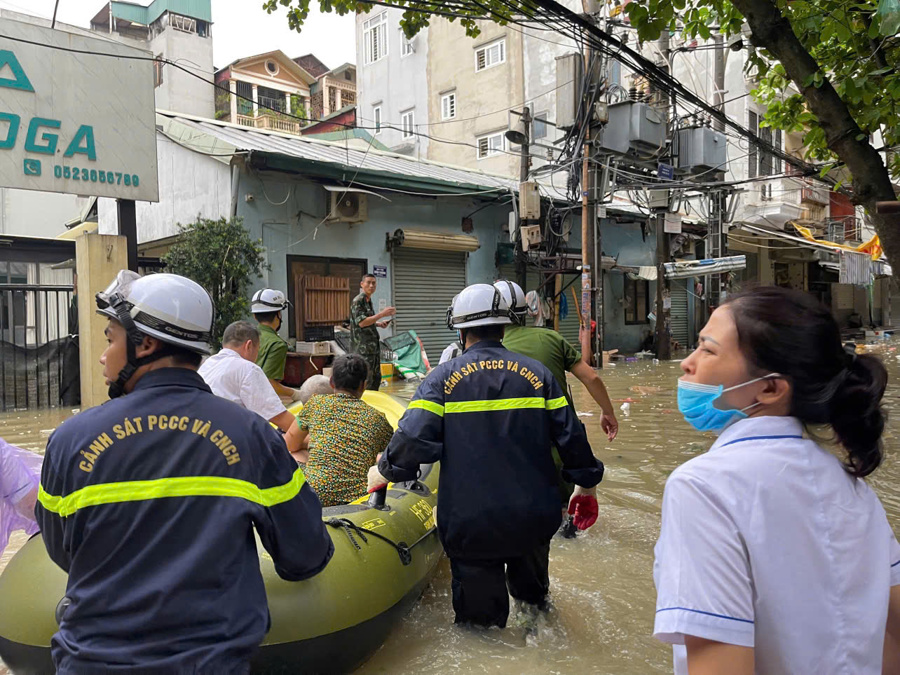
(234, 378)
(767, 542)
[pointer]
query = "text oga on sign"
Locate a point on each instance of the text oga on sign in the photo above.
(82, 142)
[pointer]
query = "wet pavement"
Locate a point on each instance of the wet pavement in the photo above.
(601, 583)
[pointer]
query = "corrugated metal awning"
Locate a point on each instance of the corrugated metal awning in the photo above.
(434, 241)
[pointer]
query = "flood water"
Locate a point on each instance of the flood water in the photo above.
(601, 583)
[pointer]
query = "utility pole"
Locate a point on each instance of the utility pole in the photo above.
(127, 223)
(587, 211)
(717, 229)
(524, 166)
(663, 345)
(719, 70)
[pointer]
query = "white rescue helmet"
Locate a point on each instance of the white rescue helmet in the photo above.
(268, 300)
(514, 296)
(478, 305)
(168, 307)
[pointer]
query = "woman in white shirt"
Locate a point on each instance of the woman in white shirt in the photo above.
(775, 557)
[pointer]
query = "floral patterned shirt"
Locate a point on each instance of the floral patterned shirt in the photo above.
(345, 436)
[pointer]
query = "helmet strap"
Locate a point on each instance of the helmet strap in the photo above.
(117, 388)
(134, 337)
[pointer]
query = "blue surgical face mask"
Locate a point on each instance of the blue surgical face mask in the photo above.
(697, 403)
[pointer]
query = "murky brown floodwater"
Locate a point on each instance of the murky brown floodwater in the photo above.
(602, 583)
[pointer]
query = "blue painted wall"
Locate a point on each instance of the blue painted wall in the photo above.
(287, 215)
(624, 242)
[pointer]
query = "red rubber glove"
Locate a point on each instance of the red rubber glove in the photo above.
(585, 510)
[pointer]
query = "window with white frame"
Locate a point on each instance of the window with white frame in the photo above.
(490, 55)
(491, 144)
(408, 123)
(375, 38)
(183, 23)
(761, 162)
(448, 106)
(406, 46)
(376, 116)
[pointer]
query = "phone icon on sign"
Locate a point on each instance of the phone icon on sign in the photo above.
(32, 167)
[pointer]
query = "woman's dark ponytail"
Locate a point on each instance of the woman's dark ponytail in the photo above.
(856, 414)
(791, 333)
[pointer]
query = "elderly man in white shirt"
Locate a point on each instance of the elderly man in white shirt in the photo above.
(234, 375)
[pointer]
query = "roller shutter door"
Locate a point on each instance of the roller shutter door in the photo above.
(678, 314)
(424, 284)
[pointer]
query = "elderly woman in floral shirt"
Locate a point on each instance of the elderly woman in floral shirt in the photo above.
(343, 433)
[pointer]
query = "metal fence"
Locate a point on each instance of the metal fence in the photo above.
(37, 351)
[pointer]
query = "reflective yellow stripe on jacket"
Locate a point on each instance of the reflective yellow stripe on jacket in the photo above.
(188, 486)
(485, 406)
(430, 406)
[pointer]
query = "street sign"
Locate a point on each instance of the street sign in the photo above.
(380, 271)
(76, 115)
(665, 171)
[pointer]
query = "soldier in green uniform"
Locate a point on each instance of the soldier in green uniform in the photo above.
(266, 307)
(364, 338)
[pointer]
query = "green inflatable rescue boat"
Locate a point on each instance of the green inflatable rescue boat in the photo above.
(385, 556)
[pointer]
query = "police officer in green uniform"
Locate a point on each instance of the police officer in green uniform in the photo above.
(555, 352)
(266, 307)
(364, 338)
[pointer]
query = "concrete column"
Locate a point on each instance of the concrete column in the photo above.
(232, 85)
(98, 258)
(287, 102)
(255, 101)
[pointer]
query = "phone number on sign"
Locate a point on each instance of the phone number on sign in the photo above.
(95, 176)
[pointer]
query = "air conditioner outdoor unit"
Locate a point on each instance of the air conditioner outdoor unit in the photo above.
(348, 207)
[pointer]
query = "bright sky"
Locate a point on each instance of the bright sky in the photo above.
(240, 28)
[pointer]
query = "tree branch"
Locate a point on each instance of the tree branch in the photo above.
(871, 180)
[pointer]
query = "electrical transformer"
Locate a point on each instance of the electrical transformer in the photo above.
(701, 149)
(635, 129)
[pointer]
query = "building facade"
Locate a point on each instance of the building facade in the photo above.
(176, 30)
(333, 90)
(267, 91)
(392, 95)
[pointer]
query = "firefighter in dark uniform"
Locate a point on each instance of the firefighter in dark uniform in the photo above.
(364, 338)
(149, 502)
(491, 417)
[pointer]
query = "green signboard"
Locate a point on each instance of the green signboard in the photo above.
(76, 114)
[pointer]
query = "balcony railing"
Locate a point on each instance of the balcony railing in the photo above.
(844, 229)
(812, 194)
(270, 122)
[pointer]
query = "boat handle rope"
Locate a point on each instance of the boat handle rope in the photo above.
(350, 527)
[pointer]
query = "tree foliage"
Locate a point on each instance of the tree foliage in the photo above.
(416, 16)
(220, 256)
(853, 45)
